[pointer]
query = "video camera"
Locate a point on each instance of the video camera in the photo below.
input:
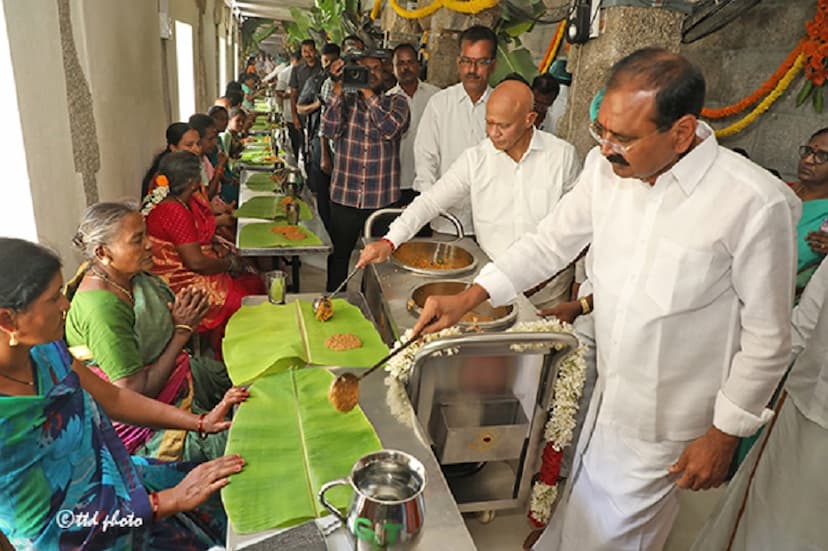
(354, 75)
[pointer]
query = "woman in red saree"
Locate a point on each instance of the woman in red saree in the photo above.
(181, 229)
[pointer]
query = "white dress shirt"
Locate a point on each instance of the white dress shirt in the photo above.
(416, 106)
(693, 283)
(556, 111)
(508, 198)
(451, 123)
(807, 384)
(283, 85)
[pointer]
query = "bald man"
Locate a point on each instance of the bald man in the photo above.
(513, 179)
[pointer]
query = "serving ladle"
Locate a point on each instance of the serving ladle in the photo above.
(322, 306)
(344, 391)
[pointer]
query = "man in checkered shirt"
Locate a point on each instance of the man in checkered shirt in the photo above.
(366, 128)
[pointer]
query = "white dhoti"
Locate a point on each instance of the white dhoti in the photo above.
(784, 503)
(621, 496)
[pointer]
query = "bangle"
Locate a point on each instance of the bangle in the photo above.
(184, 326)
(201, 434)
(585, 309)
(153, 498)
(390, 243)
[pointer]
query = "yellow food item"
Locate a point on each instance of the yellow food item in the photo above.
(344, 392)
(324, 310)
(286, 200)
(343, 341)
(407, 257)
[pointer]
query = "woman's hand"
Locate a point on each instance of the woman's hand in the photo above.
(818, 241)
(199, 483)
(225, 220)
(190, 307)
(215, 420)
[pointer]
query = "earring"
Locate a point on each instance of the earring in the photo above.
(63, 314)
(13, 339)
(105, 262)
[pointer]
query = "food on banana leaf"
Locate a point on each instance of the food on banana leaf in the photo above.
(343, 341)
(344, 392)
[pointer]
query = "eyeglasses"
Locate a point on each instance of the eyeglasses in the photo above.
(620, 146)
(820, 156)
(477, 62)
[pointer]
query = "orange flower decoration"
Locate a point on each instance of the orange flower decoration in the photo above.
(162, 181)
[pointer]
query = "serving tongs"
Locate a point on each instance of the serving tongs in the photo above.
(344, 391)
(322, 306)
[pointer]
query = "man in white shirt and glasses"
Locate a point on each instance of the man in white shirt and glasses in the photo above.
(692, 262)
(455, 119)
(512, 180)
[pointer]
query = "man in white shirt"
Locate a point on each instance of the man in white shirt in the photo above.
(512, 180)
(455, 118)
(407, 70)
(691, 261)
(283, 92)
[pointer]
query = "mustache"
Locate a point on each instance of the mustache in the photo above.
(471, 76)
(617, 159)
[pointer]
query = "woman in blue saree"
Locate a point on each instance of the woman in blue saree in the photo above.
(66, 480)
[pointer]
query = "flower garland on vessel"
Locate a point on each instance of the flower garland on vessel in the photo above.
(560, 426)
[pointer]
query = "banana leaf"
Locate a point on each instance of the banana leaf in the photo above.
(518, 60)
(265, 157)
(261, 181)
(267, 338)
(261, 235)
(292, 441)
(262, 206)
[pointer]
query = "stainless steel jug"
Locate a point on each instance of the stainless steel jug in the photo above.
(387, 506)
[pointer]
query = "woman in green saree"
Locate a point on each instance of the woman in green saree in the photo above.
(66, 480)
(812, 189)
(131, 329)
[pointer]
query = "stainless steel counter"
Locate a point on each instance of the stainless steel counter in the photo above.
(387, 288)
(314, 224)
(390, 412)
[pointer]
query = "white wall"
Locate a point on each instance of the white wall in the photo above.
(119, 50)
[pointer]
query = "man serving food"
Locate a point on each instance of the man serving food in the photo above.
(512, 179)
(692, 260)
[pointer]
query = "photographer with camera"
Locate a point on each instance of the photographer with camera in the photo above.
(365, 127)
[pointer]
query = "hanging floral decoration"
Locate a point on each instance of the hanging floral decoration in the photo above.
(815, 51)
(766, 88)
(777, 92)
(553, 48)
(569, 384)
(460, 6)
(560, 427)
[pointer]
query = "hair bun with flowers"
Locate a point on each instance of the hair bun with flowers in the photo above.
(162, 181)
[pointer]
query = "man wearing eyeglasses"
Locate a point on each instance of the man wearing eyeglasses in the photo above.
(455, 119)
(691, 262)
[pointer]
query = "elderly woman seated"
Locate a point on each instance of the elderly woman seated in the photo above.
(132, 328)
(181, 229)
(61, 463)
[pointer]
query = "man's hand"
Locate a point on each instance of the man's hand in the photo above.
(566, 311)
(375, 252)
(704, 462)
(818, 242)
(440, 312)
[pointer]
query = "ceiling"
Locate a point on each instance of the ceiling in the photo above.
(268, 9)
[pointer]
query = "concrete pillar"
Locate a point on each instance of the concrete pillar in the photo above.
(624, 30)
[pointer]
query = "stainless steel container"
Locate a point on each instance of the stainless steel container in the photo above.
(484, 317)
(434, 258)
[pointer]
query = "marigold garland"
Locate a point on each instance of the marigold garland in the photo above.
(783, 85)
(815, 46)
(376, 9)
(757, 94)
(554, 47)
(460, 6)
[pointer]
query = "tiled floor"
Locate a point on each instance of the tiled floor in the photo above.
(509, 529)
